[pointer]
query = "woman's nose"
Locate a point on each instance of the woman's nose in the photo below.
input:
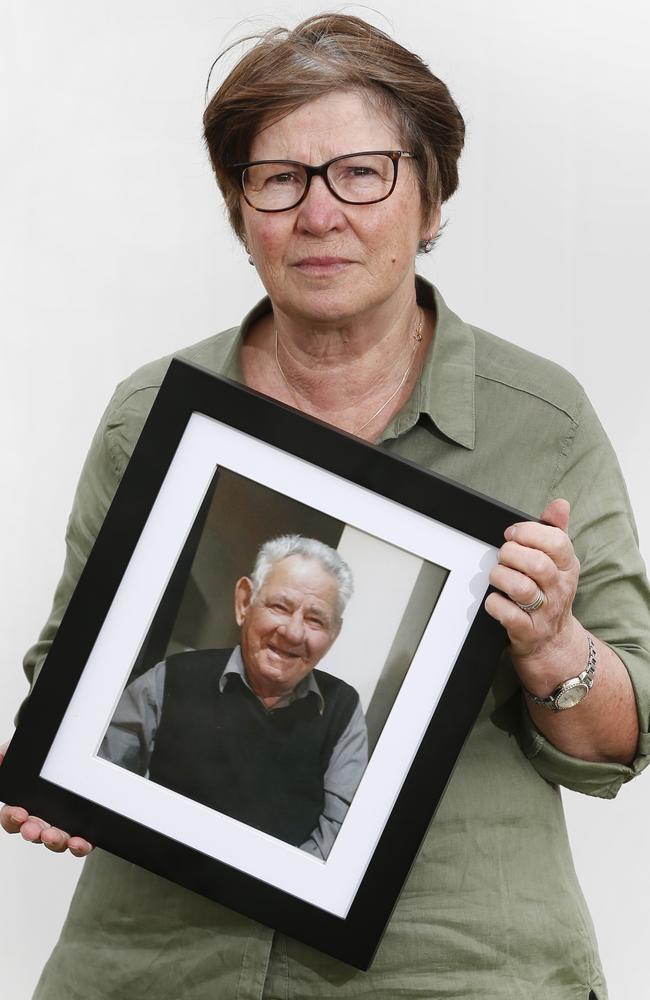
(320, 212)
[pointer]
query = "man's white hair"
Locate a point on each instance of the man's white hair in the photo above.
(284, 546)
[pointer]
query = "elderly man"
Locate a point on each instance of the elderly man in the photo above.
(257, 732)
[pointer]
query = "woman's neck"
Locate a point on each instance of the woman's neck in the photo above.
(354, 375)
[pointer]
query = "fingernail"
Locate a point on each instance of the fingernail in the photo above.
(510, 532)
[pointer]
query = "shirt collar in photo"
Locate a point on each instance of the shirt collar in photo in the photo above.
(308, 685)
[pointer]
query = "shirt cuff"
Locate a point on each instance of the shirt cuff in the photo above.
(589, 777)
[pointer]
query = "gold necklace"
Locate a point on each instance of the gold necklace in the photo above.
(417, 340)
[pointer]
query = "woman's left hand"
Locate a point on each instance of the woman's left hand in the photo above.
(534, 558)
(548, 645)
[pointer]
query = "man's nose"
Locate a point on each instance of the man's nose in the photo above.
(293, 628)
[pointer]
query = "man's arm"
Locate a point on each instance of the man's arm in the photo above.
(344, 772)
(130, 738)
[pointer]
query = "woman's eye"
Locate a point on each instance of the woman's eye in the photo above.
(282, 180)
(353, 172)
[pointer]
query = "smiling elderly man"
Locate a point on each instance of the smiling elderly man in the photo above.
(257, 732)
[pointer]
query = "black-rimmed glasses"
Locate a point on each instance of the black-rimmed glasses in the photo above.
(356, 179)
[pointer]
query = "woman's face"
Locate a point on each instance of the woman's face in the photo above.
(326, 261)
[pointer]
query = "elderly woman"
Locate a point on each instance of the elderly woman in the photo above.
(334, 148)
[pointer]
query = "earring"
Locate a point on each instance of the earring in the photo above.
(427, 245)
(251, 261)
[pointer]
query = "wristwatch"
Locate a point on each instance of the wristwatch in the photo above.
(572, 691)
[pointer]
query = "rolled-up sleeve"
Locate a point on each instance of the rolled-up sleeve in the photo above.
(612, 602)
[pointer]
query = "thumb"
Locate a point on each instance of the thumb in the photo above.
(556, 513)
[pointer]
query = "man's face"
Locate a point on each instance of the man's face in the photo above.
(289, 625)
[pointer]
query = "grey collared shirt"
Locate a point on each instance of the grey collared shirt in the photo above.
(131, 738)
(308, 685)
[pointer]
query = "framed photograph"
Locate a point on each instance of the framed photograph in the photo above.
(302, 804)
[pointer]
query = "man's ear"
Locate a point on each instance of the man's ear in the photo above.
(243, 598)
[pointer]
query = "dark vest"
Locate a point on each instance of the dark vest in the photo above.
(228, 752)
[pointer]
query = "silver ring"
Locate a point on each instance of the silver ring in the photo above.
(534, 605)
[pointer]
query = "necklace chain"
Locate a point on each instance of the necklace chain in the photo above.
(417, 340)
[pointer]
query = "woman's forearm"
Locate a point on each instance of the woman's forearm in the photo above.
(604, 725)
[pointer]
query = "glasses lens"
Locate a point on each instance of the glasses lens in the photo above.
(362, 177)
(274, 186)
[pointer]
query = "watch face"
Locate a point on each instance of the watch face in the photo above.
(571, 696)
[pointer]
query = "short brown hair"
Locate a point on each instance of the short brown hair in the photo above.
(324, 53)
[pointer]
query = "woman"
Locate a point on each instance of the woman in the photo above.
(348, 334)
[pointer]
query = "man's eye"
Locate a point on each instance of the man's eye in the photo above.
(283, 610)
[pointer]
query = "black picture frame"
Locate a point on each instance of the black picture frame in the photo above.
(40, 774)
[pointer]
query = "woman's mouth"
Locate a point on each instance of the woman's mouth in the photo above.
(322, 265)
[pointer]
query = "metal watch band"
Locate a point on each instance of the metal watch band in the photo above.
(572, 691)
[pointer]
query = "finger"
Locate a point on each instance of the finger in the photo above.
(79, 847)
(54, 839)
(533, 563)
(519, 625)
(12, 818)
(553, 541)
(557, 513)
(517, 586)
(32, 829)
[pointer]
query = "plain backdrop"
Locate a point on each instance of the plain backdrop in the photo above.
(115, 250)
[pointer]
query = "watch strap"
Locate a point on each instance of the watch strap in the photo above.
(554, 701)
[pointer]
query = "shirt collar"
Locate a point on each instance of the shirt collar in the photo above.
(308, 685)
(444, 392)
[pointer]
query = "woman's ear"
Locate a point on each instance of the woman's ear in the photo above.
(432, 227)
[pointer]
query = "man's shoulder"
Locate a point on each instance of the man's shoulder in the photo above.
(330, 686)
(197, 660)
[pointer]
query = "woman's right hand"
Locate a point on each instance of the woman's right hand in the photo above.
(15, 819)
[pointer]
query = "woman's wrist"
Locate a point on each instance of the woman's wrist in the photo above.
(556, 661)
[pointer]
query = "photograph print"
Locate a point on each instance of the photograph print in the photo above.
(272, 662)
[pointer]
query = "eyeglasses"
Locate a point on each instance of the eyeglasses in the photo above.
(356, 179)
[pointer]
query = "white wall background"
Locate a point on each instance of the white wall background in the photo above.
(114, 250)
(369, 653)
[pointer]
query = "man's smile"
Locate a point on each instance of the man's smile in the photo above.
(284, 654)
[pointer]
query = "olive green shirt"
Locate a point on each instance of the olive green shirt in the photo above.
(492, 908)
